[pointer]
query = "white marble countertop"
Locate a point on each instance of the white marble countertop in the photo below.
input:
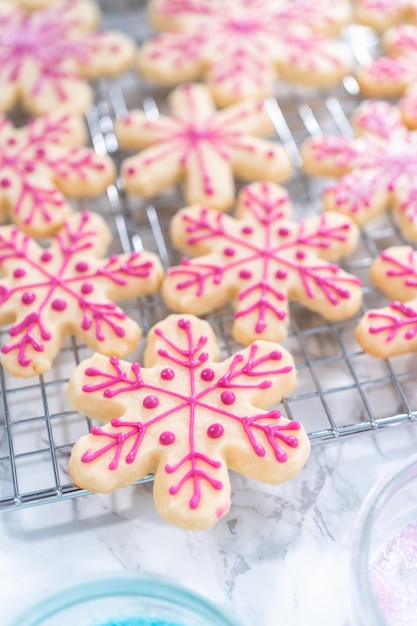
(281, 555)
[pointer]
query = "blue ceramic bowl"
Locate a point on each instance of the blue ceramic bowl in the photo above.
(128, 600)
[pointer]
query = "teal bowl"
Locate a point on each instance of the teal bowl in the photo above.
(128, 600)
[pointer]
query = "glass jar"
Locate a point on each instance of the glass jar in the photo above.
(128, 600)
(384, 563)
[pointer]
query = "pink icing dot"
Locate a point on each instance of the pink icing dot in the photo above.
(166, 438)
(29, 167)
(81, 266)
(150, 402)
(28, 297)
(184, 324)
(281, 274)
(46, 256)
(5, 182)
(207, 374)
(11, 141)
(247, 230)
(283, 232)
(58, 304)
(228, 397)
(300, 255)
(130, 171)
(40, 152)
(229, 251)
(245, 274)
(86, 288)
(167, 374)
(214, 431)
(19, 272)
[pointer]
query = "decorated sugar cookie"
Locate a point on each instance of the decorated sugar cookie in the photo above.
(48, 55)
(187, 418)
(204, 147)
(392, 330)
(43, 162)
(376, 170)
(261, 260)
(380, 14)
(395, 75)
(68, 288)
(240, 48)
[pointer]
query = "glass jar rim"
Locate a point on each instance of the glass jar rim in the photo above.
(365, 599)
(147, 585)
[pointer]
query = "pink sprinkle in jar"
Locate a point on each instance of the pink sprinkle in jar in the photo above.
(384, 563)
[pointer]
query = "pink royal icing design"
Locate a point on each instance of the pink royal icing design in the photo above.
(201, 145)
(273, 259)
(42, 162)
(392, 330)
(47, 56)
(198, 434)
(50, 286)
(240, 47)
(376, 170)
(396, 73)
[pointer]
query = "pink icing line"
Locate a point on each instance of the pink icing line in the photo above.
(394, 324)
(189, 357)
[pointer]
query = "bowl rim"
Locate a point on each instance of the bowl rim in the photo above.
(139, 583)
(365, 600)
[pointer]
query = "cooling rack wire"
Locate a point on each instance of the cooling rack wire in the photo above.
(341, 391)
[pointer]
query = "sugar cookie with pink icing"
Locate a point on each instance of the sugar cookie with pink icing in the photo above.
(392, 330)
(394, 74)
(375, 171)
(48, 55)
(241, 48)
(44, 163)
(203, 147)
(47, 293)
(187, 418)
(260, 260)
(381, 14)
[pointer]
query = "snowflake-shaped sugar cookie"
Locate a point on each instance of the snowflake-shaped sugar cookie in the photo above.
(239, 48)
(47, 56)
(376, 170)
(68, 288)
(187, 418)
(380, 14)
(395, 75)
(261, 260)
(201, 145)
(40, 164)
(392, 330)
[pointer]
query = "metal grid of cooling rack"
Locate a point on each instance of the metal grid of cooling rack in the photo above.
(341, 391)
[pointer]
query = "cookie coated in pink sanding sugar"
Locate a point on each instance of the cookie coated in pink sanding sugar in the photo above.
(48, 55)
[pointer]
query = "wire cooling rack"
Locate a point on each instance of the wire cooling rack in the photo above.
(341, 391)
